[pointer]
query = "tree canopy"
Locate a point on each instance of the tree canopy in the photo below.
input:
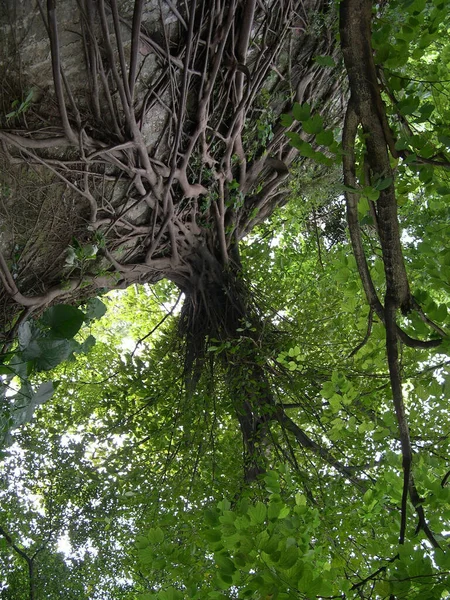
(224, 261)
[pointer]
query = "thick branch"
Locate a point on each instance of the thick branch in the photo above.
(305, 441)
(366, 107)
(26, 558)
(356, 35)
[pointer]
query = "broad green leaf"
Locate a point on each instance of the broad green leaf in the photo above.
(155, 535)
(325, 61)
(170, 594)
(325, 138)
(257, 513)
(24, 334)
(288, 558)
(301, 112)
(95, 309)
(65, 321)
(46, 353)
(314, 124)
(88, 344)
(286, 120)
(382, 184)
(274, 510)
(225, 564)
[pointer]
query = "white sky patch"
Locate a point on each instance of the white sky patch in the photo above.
(37, 503)
(64, 546)
(68, 438)
(101, 450)
(442, 363)
(13, 387)
(128, 344)
(406, 238)
(275, 241)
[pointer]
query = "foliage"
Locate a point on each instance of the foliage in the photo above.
(268, 548)
(130, 458)
(20, 107)
(141, 472)
(41, 346)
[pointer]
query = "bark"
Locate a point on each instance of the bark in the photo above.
(367, 103)
(148, 133)
(366, 109)
(153, 137)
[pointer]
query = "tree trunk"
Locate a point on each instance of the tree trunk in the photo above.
(153, 145)
(152, 136)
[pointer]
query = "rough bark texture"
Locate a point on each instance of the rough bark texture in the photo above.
(149, 132)
(366, 110)
(157, 126)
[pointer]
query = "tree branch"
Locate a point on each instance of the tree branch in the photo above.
(305, 441)
(26, 558)
(56, 68)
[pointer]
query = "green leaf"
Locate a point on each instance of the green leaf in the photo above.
(382, 184)
(313, 125)
(442, 558)
(444, 139)
(274, 510)
(402, 143)
(288, 558)
(24, 334)
(325, 61)
(296, 140)
(304, 148)
(223, 581)
(348, 188)
(170, 594)
(6, 369)
(307, 150)
(64, 320)
(284, 512)
(426, 110)
(325, 138)
(43, 393)
(88, 344)
(211, 517)
(322, 159)
(272, 482)
(370, 193)
(257, 513)
(47, 353)
(141, 542)
(286, 120)
(155, 535)
(95, 309)
(213, 535)
(408, 106)
(301, 112)
(29, 400)
(225, 564)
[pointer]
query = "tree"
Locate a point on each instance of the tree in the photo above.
(175, 206)
(316, 417)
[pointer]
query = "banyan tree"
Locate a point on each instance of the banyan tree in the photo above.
(141, 141)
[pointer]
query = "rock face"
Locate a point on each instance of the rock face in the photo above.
(141, 140)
